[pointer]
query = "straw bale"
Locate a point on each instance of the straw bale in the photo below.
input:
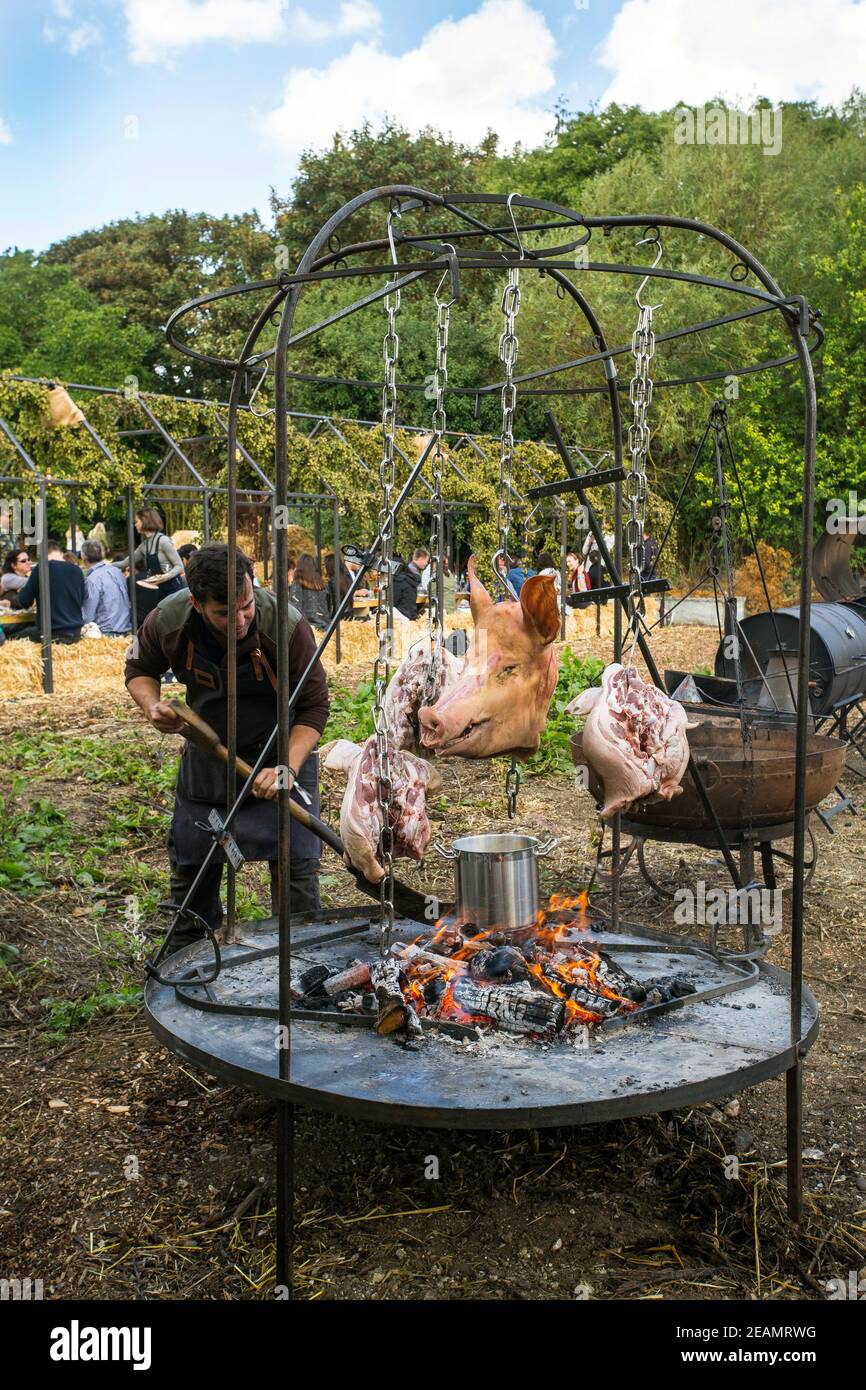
(92, 666)
(187, 538)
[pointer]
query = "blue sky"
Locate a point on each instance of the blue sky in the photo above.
(112, 107)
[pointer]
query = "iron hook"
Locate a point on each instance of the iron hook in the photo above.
(260, 414)
(453, 272)
(513, 222)
(644, 241)
(392, 216)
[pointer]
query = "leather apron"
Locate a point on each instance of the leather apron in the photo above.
(201, 779)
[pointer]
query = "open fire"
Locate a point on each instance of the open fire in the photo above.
(541, 982)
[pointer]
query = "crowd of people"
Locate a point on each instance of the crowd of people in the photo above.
(90, 595)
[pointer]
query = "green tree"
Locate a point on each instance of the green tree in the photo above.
(50, 326)
(582, 145)
(146, 267)
(368, 158)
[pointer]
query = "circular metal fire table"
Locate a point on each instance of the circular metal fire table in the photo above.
(733, 1034)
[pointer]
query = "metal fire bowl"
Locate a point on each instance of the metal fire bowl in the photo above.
(697, 1052)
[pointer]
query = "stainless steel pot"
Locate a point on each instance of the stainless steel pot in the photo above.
(496, 878)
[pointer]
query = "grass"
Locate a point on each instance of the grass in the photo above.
(554, 755)
(29, 836)
(351, 713)
(121, 762)
(67, 1016)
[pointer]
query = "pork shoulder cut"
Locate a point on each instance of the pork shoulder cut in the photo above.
(634, 739)
(360, 819)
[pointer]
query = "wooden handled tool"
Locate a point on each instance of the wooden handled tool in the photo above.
(407, 901)
(199, 732)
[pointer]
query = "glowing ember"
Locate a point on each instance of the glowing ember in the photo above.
(510, 975)
(538, 982)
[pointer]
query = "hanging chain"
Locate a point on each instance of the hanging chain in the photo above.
(384, 634)
(440, 382)
(508, 348)
(640, 393)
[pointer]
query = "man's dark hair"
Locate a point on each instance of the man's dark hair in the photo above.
(185, 551)
(208, 573)
(52, 544)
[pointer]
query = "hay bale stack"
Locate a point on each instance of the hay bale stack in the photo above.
(300, 541)
(187, 538)
(89, 667)
(20, 669)
(359, 644)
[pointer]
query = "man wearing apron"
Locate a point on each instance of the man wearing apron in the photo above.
(187, 633)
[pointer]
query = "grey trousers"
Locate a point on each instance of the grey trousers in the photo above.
(304, 895)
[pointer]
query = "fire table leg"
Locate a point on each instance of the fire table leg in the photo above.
(285, 1194)
(794, 1125)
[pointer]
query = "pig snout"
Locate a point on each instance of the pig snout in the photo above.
(433, 726)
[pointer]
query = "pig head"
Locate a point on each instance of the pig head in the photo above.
(500, 700)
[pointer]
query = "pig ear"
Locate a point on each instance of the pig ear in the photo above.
(479, 599)
(540, 608)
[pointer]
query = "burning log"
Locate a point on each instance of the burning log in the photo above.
(356, 976)
(517, 1009)
(420, 955)
(311, 981)
(414, 1031)
(393, 1010)
(594, 971)
(597, 1004)
(501, 963)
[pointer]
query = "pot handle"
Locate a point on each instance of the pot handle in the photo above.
(444, 850)
(546, 847)
(710, 771)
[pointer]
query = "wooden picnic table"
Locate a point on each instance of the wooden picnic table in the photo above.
(12, 617)
(372, 602)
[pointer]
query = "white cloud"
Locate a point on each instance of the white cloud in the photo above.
(488, 70)
(354, 17)
(82, 36)
(158, 29)
(5, 133)
(660, 52)
(74, 37)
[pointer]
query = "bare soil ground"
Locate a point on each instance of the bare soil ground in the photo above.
(128, 1174)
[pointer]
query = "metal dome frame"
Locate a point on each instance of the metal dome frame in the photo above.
(463, 250)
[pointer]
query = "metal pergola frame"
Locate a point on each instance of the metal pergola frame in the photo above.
(43, 483)
(201, 491)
